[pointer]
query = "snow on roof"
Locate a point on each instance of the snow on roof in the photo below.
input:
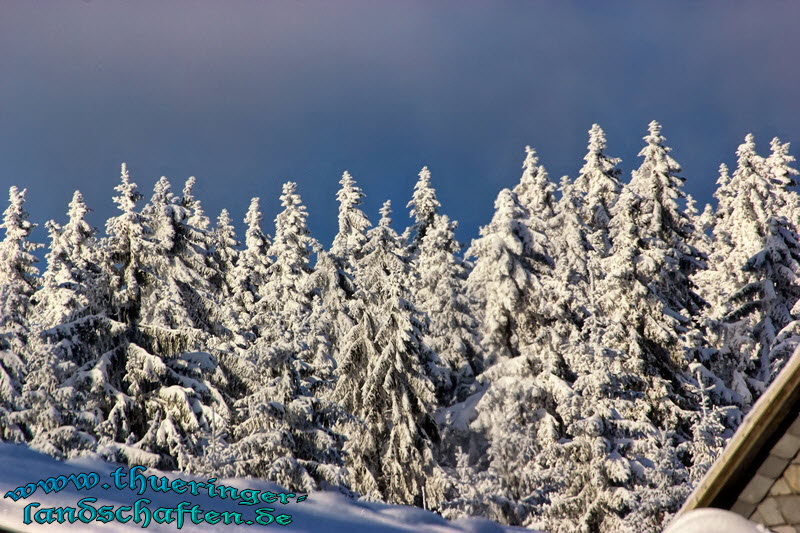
(713, 521)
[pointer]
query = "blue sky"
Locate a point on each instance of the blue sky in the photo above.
(248, 94)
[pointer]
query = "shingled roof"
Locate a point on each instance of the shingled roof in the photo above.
(758, 473)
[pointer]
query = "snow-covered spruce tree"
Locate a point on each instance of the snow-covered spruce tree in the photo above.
(170, 366)
(382, 380)
(195, 216)
(353, 224)
(629, 391)
(741, 214)
(73, 331)
(284, 302)
(503, 276)
(772, 299)
(512, 277)
(756, 191)
(536, 194)
(626, 432)
(152, 392)
(282, 431)
(126, 242)
(224, 254)
(441, 294)
(18, 283)
(669, 262)
(333, 313)
(424, 206)
(250, 273)
(535, 191)
(334, 278)
(666, 229)
(514, 417)
(184, 284)
(571, 250)
(782, 176)
(703, 224)
(599, 182)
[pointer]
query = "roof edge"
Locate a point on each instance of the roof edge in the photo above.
(750, 437)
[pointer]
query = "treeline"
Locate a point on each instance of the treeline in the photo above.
(577, 368)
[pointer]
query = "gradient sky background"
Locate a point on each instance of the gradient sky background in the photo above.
(248, 94)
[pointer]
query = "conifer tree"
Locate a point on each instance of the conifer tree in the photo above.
(502, 277)
(18, 283)
(251, 272)
(441, 294)
(383, 382)
(512, 276)
(771, 299)
(353, 223)
(281, 428)
(535, 191)
(756, 191)
(666, 228)
(126, 244)
(224, 253)
(73, 331)
(571, 249)
(195, 216)
(599, 182)
(424, 206)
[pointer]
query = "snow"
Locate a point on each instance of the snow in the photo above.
(713, 521)
(321, 511)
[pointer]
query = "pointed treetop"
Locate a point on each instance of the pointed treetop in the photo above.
(535, 190)
(128, 195)
(196, 215)
(654, 140)
(188, 188)
(77, 228)
(15, 218)
(290, 198)
(353, 223)
(747, 149)
(425, 174)
(162, 191)
(599, 185)
(294, 213)
(253, 217)
(597, 139)
(386, 214)
(724, 176)
(288, 189)
(691, 206)
(423, 202)
(16, 261)
(350, 195)
(77, 207)
(657, 166)
(531, 160)
(595, 159)
(347, 180)
(778, 163)
(224, 219)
